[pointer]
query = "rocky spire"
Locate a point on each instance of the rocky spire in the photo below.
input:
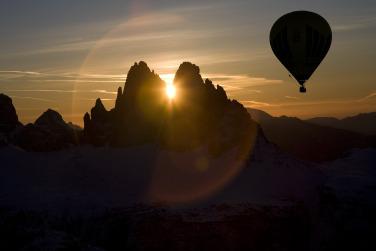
(98, 112)
(8, 116)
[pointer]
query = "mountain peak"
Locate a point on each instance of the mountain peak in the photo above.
(188, 74)
(48, 133)
(139, 67)
(8, 116)
(48, 118)
(138, 72)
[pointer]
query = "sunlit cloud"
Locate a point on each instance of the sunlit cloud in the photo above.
(76, 80)
(20, 72)
(252, 103)
(239, 82)
(61, 77)
(255, 104)
(292, 97)
(94, 99)
(153, 19)
(63, 91)
(32, 98)
(369, 96)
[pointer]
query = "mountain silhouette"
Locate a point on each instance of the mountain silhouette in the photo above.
(196, 167)
(201, 114)
(48, 133)
(307, 140)
(8, 116)
(364, 123)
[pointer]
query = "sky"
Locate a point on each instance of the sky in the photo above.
(64, 54)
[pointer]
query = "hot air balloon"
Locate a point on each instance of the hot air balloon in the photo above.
(301, 40)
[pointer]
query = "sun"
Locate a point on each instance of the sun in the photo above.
(168, 78)
(170, 91)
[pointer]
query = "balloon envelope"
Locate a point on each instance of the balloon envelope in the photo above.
(301, 40)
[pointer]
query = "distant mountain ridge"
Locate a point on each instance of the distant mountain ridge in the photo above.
(364, 123)
(307, 140)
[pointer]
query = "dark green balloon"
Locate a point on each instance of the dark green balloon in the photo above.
(301, 40)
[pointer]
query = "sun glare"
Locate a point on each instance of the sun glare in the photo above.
(170, 91)
(170, 88)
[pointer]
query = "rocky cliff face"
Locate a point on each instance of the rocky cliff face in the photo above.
(200, 115)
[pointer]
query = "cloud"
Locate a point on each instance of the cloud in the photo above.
(252, 103)
(358, 24)
(153, 20)
(142, 25)
(365, 100)
(231, 82)
(65, 91)
(61, 77)
(12, 74)
(241, 81)
(32, 98)
(102, 99)
(20, 72)
(369, 96)
(146, 27)
(291, 97)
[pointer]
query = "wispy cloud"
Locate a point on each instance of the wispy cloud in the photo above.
(63, 91)
(369, 96)
(358, 24)
(147, 27)
(20, 72)
(239, 82)
(253, 103)
(292, 97)
(231, 82)
(61, 77)
(153, 20)
(102, 99)
(258, 104)
(31, 98)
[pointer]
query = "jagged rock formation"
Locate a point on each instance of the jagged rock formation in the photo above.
(8, 116)
(137, 114)
(48, 133)
(201, 113)
(8, 119)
